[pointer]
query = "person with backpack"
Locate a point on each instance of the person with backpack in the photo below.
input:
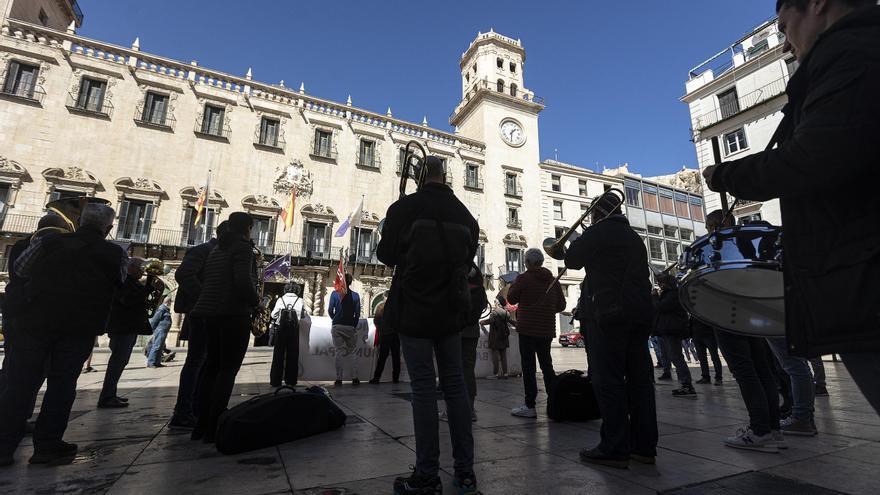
(538, 298)
(499, 338)
(345, 312)
(287, 315)
(431, 238)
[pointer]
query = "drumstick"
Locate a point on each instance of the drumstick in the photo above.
(716, 152)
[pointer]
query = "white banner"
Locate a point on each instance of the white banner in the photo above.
(319, 364)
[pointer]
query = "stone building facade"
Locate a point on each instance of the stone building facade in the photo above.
(80, 116)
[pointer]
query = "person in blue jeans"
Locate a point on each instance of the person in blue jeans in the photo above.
(161, 323)
(802, 390)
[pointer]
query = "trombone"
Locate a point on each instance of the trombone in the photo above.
(555, 248)
(413, 166)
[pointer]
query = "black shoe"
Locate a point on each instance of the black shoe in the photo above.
(465, 484)
(374, 381)
(685, 392)
(395, 380)
(719, 382)
(355, 382)
(596, 456)
(197, 434)
(643, 459)
(418, 484)
(337, 383)
(274, 384)
(703, 381)
(183, 422)
(821, 391)
(169, 357)
(89, 369)
(665, 376)
(59, 452)
(113, 403)
(122, 399)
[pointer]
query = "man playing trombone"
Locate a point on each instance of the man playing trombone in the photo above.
(616, 313)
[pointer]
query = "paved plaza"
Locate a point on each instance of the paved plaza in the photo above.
(132, 451)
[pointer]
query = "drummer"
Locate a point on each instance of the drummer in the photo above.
(822, 164)
(748, 360)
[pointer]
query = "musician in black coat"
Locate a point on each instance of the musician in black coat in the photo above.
(189, 276)
(824, 168)
(70, 282)
(704, 340)
(227, 302)
(615, 305)
(671, 323)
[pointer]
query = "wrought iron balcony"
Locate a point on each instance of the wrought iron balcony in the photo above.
(473, 183)
(30, 93)
(514, 191)
(205, 129)
(325, 152)
(741, 104)
(18, 224)
(272, 143)
(103, 108)
(514, 223)
(369, 160)
(165, 122)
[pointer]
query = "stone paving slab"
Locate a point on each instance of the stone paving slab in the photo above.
(132, 451)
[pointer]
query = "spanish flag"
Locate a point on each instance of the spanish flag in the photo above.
(287, 212)
(203, 200)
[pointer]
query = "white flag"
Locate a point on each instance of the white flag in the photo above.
(353, 220)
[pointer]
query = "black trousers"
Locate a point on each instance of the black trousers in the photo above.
(751, 366)
(622, 373)
(196, 352)
(227, 341)
(708, 343)
(529, 348)
(388, 344)
(285, 357)
(26, 366)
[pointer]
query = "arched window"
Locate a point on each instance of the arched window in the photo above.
(513, 67)
(500, 63)
(512, 89)
(500, 85)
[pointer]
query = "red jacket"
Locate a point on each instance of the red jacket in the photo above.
(536, 313)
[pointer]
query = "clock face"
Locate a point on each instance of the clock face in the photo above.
(512, 133)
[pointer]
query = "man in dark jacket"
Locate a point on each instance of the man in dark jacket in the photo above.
(827, 143)
(704, 341)
(671, 323)
(227, 302)
(615, 305)
(128, 319)
(70, 282)
(189, 276)
(539, 299)
(430, 238)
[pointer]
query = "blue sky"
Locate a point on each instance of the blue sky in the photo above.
(611, 71)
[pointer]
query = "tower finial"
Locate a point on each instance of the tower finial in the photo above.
(348, 101)
(281, 83)
(425, 121)
(302, 88)
(71, 28)
(388, 113)
(249, 75)
(136, 46)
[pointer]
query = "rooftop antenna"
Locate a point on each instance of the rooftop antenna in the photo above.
(556, 154)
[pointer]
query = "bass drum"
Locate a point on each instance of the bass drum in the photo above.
(732, 280)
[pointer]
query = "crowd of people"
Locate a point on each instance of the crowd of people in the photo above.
(437, 305)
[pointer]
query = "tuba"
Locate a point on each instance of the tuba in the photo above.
(413, 166)
(70, 209)
(154, 269)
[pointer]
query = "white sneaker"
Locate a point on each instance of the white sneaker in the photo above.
(746, 439)
(524, 412)
(778, 439)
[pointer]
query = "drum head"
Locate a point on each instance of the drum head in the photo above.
(742, 299)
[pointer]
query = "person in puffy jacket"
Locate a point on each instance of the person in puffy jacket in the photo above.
(671, 323)
(536, 325)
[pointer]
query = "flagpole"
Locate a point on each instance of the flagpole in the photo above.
(289, 237)
(205, 208)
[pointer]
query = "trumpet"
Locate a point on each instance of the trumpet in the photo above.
(555, 248)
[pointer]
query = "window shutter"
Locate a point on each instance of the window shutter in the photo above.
(163, 109)
(123, 216)
(27, 81)
(352, 245)
(148, 222)
(210, 215)
(270, 239)
(83, 95)
(147, 114)
(11, 75)
(186, 226)
(98, 90)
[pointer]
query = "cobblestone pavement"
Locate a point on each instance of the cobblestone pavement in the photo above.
(133, 451)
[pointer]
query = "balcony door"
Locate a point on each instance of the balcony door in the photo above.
(135, 218)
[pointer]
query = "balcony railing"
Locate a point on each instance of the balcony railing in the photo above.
(166, 123)
(19, 224)
(32, 92)
(741, 104)
(217, 132)
(514, 223)
(371, 161)
(276, 144)
(325, 152)
(474, 183)
(103, 108)
(513, 191)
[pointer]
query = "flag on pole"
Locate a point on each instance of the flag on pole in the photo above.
(339, 284)
(287, 212)
(278, 268)
(353, 220)
(203, 200)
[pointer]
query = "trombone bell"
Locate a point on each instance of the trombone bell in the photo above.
(554, 248)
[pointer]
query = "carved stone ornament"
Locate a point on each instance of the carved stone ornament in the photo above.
(293, 176)
(320, 212)
(71, 174)
(260, 202)
(11, 167)
(484, 239)
(369, 218)
(191, 194)
(516, 240)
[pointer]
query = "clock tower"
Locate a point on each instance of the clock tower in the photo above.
(497, 109)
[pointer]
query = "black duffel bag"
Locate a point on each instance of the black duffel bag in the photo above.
(275, 418)
(571, 398)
